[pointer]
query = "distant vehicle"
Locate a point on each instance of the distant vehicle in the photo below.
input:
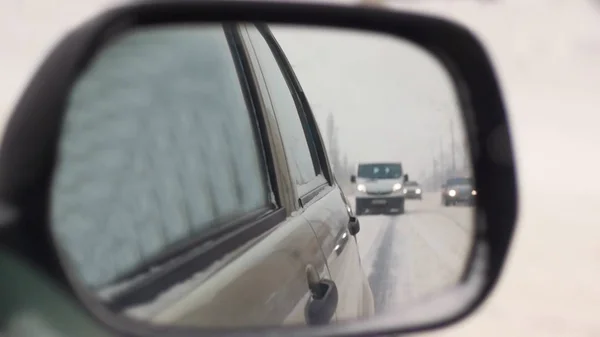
(458, 190)
(412, 190)
(379, 188)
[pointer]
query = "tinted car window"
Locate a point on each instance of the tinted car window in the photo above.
(159, 146)
(294, 138)
(380, 171)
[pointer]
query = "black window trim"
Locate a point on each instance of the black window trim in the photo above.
(251, 92)
(184, 258)
(310, 190)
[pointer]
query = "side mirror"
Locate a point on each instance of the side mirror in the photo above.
(353, 225)
(137, 73)
(353, 179)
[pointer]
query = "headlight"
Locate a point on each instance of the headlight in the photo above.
(452, 193)
(405, 190)
(418, 190)
(473, 192)
(361, 188)
(397, 187)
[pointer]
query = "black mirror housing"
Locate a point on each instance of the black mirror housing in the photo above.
(353, 179)
(28, 150)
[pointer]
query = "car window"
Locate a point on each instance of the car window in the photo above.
(189, 168)
(380, 171)
(297, 147)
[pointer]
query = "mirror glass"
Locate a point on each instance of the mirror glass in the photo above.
(210, 176)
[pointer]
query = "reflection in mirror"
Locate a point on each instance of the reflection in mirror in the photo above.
(192, 186)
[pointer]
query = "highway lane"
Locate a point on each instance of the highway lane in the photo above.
(416, 254)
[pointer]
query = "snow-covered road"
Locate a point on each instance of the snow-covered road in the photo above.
(415, 254)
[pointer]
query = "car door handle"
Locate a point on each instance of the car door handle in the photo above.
(322, 303)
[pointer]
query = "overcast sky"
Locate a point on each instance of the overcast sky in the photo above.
(391, 100)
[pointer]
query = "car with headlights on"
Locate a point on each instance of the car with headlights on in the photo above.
(379, 188)
(412, 190)
(458, 190)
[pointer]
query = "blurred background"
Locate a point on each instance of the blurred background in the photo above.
(547, 53)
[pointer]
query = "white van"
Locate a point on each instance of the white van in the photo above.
(379, 188)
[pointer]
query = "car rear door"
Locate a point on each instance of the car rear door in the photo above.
(202, 221)
(321, 200)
